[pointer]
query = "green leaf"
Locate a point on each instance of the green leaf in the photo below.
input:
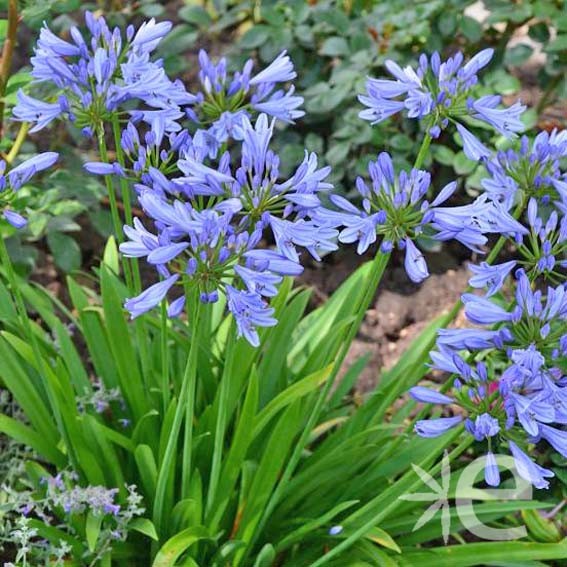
(237, 452)
(147, 468)
(540, 528)
(463, 165)
(334, 46)
(266, 557)
(255, 37)
(195, 15)
(447, 23)
(65, 250)
(269, 468)
(152, 10)
(471, 29)
(383, 538)
(558, 44)
(518, 54)
(92, 529)
(290, 395)
(111, 258)
(337, 153)
(174, 547)
(444, 155)
(484, 554)
(27, 436)
(144, 526)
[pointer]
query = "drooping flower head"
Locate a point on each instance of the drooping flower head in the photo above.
(395, 207)
(93, 75)
(439, 93)
(15, 178)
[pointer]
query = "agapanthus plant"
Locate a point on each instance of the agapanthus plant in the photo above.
(209, 223)
(395, 207)
(516, 391)
(224, 102)
(94, 75)
(11, 181)
(531, 171)
(440, 93)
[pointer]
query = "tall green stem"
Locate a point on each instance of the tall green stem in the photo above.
(426, 142)
(126, 198)
(164, 358)
(116, 220)
(222, 412)
(376, 272)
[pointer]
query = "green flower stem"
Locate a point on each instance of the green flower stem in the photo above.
(377, 269)
(422, 151)
(116, 220)
(222, 413)
(132, 267)
(6, 262)
(164, 358)
(399, 488)
(184, 408)
(126, 199)
(18, 142)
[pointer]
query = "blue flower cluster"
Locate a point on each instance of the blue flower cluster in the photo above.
(517, 387)
(93, 76)
(509, 370)
(209, 223)
(224, 103)
(395, 207)
(15, 178)
(439, 93)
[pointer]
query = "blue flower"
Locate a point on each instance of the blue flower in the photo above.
(150, 297)
(280, 70)
(150, 33)
(37, 112)
(483, 311)
(484, 427)
(422, 394)
(504, 120)
(414, 263)
(15, 219)
(395, 207)
(96, 75)
(249, 312)
(491, 276)
(491, 472)
(225, 100)
(440, 93)
(437, 426)
(555, 437)
(529, 470)
(533, 170)
(474, 149)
